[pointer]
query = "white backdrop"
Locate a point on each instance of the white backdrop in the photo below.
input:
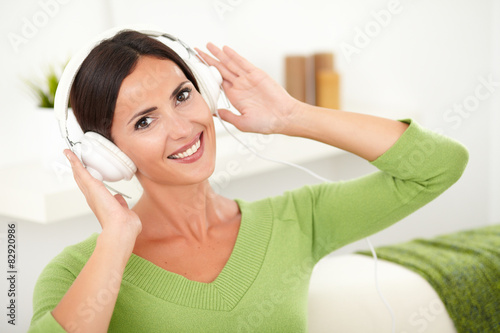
(428, 59)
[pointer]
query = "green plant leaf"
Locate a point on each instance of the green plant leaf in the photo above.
(52, 83)
(45, 93)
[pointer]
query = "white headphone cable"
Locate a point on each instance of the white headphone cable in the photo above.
(389, 308)
(116, 191)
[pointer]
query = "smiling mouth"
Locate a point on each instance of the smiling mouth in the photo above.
(189, 151)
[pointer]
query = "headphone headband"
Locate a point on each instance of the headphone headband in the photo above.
(61, 98)
(102, 158)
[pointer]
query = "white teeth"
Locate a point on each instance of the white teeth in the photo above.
(193, 149)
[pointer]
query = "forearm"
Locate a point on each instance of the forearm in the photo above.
(420, 166)
(364, 135)
(88, 304)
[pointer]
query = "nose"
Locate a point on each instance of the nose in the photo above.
(179, 127)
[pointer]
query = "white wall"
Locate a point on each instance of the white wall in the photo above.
(430, 56)
(35, 35)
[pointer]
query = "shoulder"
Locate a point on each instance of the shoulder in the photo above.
(73, 257)
(289, 205)
(58, 275)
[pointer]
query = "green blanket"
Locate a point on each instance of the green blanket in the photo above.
(463, 268)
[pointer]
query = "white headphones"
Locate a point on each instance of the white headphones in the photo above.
(102, 158)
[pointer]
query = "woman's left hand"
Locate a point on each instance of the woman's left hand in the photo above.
(264, 105)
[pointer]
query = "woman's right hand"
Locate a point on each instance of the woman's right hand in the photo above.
(265, 106)
(112, 212)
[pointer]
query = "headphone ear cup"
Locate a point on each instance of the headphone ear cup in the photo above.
(209, 80)
(104, 160)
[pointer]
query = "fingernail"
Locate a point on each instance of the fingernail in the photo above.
(67, 156)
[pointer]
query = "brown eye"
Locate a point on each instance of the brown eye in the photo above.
(143, 123)
(183, 95)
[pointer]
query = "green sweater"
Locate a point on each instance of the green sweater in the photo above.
(264, 285)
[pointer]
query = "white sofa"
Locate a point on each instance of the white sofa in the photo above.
(343, 298)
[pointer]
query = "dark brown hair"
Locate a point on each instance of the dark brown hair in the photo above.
(96, 86)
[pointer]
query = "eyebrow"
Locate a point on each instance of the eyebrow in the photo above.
(148, 110)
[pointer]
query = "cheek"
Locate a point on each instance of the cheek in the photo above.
(143, 148)
(147, 147)
(205, 116)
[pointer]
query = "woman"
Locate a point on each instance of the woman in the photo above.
(185, 259)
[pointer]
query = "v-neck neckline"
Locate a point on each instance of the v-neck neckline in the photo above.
(233, 281)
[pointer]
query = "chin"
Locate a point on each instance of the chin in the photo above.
(202, 172)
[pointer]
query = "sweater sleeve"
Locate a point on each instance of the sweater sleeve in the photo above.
(419, 167)
(53, 283)
(51, 286)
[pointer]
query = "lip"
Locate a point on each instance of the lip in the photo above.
(189, 145)
(193, 157)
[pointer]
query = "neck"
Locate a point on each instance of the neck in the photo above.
(187, 211)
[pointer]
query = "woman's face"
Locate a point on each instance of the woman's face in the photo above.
(164, 125)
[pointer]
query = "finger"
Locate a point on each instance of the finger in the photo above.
(79, 171)
(208, 58)
(82, 177)
(230, 117)
(198, 55)
(76, 166)
(243, 63)
(226, 60)
(121, 201)
(226, 85)
(226, 74)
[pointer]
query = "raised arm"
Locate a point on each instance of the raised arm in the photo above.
(364, 135)
(266, 107)
(416, 165)
(88, 304)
